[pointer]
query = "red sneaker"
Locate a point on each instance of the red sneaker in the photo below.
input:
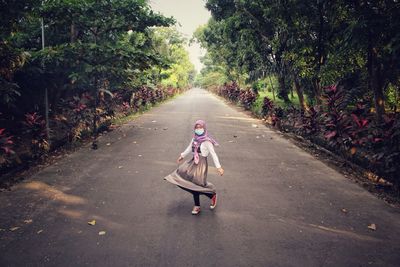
(213, 201)
(196, 210)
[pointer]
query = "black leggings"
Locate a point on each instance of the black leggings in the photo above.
(196, 195)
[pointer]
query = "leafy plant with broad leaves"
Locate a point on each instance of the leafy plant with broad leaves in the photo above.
(267, 107)
(336, 121)
(35, 127)
(310, 121)
(231, 91)
(276, 116)
(386, 146)
(6, 145)
(247, 98)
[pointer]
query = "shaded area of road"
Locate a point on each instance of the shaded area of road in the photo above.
(278, 205)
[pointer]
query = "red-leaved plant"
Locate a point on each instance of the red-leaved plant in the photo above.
(6, 144)
(337, 122)
(267, 106)
(36, 128)
(247, 98)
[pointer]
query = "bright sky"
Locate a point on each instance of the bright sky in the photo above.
(189, 15)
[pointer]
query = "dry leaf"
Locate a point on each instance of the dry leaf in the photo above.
(372, 226)
(28, 221)
(344, 210)
(353, 150)
(93, 222)
(14, 228)
(102, 232)
(108, 144)
(119, 167)
(39, 231)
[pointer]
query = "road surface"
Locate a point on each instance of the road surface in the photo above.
(278, 205)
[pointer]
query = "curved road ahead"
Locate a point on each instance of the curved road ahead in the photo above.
(278, 205)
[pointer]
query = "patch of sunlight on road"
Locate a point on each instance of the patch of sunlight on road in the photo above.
(237, 118)
(53, 193)
(86, 216)
(345, 233)
(324, 229)
(71, 213)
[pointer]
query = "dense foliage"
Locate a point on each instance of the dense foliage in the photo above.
(306, 45)
(98, 60)
(332, 65)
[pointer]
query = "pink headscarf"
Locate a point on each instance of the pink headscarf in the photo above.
(198, 139)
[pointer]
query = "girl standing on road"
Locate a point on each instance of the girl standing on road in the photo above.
(191, 176)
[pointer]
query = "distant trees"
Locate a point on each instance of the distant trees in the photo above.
(96, 54)
(341, 58)
(307, 45)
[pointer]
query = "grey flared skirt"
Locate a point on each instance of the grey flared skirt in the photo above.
(192, 176)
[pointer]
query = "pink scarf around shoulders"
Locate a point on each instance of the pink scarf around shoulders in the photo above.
(198, 139)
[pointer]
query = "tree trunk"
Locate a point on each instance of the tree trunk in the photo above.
(317, 91)
(396, 99)
(375, 83)
(272, 87)
(283, 92)
(299, 93)
(74, 33)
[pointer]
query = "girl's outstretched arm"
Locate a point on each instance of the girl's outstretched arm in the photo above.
(210, 148)
(186, 152)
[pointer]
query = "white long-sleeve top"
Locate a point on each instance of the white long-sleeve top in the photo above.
(205, 148)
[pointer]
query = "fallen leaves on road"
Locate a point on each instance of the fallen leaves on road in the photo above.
(93, 222)
(28, 221)
(108, 144)
(14, 228)
(139, 155)
(153, 121)
(120, 167)
(344, 210)
(38, 232)
(372, 226)
(102, 232)
(254, 125)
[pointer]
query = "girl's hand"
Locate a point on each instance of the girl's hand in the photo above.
(179, 159)
(220, 171)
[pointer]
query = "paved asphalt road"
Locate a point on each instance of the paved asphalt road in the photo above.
(278, 205)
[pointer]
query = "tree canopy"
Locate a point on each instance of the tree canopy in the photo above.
(306, 44)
